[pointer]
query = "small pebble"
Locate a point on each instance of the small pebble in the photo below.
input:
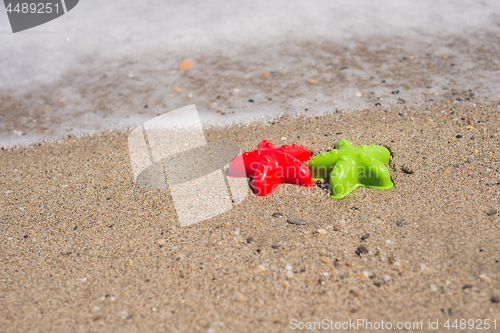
(366, 274)
(485, 278)
(492, 212)
(470, 159)
(250, 240)
(365, 236)
(337, 227)
(401, 223)
(288, 267)
(162, 242)
(289, 274)
(495, 299)
(358, 94)
(250, 100)
(277, 215)
(296, 221)
(459, 136)
(275, 247)
(402, 114)
(433, 287)
(467, 286)
(451, 311)
(321, 231)
(362, 250)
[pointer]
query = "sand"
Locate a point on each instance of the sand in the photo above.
(82, 248)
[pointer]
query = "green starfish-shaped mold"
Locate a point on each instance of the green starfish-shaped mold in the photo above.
(348, 167)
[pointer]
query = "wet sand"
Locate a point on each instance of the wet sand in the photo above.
(84, 249)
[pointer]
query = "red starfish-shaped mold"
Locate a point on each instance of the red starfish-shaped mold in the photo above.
(271, 166)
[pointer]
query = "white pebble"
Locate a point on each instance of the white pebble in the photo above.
(485, 278)
(433, 287)
(321, 231)
(289, 274)
(283, 138)
(388, 241)
(365, 273)
(358, 94)
(288, 267)
(83, 279)
(387, 277)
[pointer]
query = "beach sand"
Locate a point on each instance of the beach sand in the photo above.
(84, 249)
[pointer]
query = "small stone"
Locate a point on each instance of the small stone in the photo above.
(313, 82)
(186, 64)
(451, 311)
(365, 236)
(403, 114)
(25, 236)
(325, 260)
(492, 212)
(321, 231)
(495, 299)
(288, 267)
(358, 94)
(433, 287)
(277, 215)
(162, 242)
(467, 286)
(459, 136)
(366, 274)
(289, 274)
(296, 221)
(261, 268)
(401, 223)
(250, 100)
(485, 278)
(470, 160)
(275, 247)
(361, 250)
(337, 227)
(250, 240)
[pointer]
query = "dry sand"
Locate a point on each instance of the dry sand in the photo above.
(84, 249)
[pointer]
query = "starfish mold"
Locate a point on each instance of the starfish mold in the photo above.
(348, 167)
(270, 166)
